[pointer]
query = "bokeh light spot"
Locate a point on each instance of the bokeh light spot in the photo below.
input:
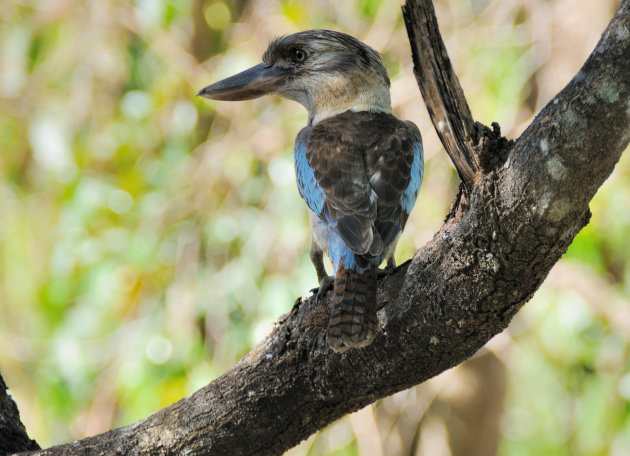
(217, 15)
(159, 350)
(136, 104)
(120, 201)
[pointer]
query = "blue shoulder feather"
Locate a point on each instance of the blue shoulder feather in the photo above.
(408, 197)
(308, 186)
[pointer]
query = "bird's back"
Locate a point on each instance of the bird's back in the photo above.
(363, 165)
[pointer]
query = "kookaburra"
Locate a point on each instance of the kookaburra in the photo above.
(358, 167)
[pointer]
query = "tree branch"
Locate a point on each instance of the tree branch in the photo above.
(13, 435)
(459, 290)
(440, 89)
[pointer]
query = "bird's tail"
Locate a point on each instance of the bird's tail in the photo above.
(353, 321)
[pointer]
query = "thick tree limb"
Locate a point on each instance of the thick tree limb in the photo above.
(458, 291)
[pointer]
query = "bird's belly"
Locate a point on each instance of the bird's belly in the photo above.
(320, 231)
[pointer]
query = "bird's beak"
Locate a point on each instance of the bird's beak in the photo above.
(253, 83)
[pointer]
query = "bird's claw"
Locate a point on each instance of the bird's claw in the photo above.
(380, 273)
(324, 285)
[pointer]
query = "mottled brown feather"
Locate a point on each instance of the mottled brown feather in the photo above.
(346, 152)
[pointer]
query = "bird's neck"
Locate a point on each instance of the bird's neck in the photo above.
(357, 105)
(339, 95)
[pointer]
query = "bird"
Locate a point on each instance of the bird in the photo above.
(358, 167)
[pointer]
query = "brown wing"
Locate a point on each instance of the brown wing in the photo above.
(362, 161)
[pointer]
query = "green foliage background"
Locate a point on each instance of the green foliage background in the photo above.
(149, 239)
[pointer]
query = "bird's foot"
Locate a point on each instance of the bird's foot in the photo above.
(380, 273)
(324, 285)
(390, 267)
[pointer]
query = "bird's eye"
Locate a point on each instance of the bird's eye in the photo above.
(299, 55)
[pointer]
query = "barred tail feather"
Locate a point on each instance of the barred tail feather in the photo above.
(353, 321)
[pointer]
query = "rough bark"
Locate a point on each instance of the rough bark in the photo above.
(462, 288)
(13, 435)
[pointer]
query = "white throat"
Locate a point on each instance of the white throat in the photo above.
(328, 96)
(326, 112)
(372, 98)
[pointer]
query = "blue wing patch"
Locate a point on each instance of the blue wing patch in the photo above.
(341, 255)
(408, 197)
(310, 190)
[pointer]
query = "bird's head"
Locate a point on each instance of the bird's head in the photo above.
(327, 72)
